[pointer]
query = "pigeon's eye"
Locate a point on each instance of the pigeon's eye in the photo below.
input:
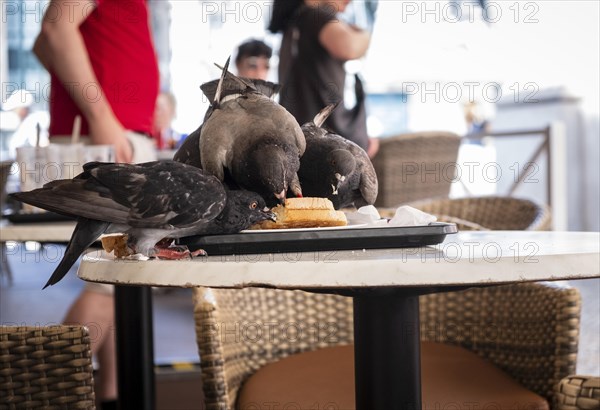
(254, 205)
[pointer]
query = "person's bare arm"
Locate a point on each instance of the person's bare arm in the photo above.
(61, 49)
(343, 41)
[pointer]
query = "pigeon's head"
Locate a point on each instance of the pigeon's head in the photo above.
(269, 170)
(244, 209)
(340, 164)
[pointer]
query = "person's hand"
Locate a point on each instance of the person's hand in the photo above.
(373, 147)
(110, 131)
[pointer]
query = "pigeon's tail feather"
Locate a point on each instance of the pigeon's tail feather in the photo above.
(85, 234)
(74, 202)
(220, 85)
(41, 201)
(322, 116)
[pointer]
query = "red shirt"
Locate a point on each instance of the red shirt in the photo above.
(118, 40)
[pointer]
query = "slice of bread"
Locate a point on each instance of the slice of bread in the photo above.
(309, 204)
(305, 213)
(117, 244)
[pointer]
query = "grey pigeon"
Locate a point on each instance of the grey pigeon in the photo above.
(253, 138)
(189, 151)
(149, 202)
(334, 167)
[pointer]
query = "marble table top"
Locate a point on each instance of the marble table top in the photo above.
(467, 258)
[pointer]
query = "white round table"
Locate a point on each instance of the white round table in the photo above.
(385, 285)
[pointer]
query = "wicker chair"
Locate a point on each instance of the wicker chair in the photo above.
(534, 334)
(415, 166)
(491, 212)
(535, 330)
(46, 367)
(239, 331)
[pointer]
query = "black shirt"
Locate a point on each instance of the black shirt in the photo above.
(312, 79)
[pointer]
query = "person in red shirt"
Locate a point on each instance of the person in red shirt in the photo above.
(103, 68)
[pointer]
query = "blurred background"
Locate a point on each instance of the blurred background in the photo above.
(468, 67)
(518, 81)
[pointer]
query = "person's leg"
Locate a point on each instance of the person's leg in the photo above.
(95, 309)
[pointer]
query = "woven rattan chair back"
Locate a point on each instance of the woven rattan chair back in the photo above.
(529, 330)
(415, 166)
(493, 212)
(240, 330)
(46, 367)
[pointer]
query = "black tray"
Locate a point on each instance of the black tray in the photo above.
(34, 217)
(321, 239)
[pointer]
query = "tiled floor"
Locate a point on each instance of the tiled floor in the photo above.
(24, 302)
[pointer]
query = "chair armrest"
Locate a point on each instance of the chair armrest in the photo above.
(578, 392)
(461, 224)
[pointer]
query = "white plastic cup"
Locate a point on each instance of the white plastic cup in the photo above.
(101, 153)
(34, 171)
(66, 159)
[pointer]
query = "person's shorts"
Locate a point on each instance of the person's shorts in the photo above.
(144, 150)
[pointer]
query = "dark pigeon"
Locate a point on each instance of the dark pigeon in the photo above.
(335, 168)
(149, 202)
(189, 151)
(253, 138)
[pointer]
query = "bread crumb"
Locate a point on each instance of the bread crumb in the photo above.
(116, 244)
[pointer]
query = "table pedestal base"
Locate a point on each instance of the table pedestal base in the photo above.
(135, 351)
(387, 351)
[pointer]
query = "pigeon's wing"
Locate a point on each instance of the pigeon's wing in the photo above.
(216, 141)
(189, 151)
(369, 186)
(162, 194)
(227, 84)
(266, 88)
(299, 138)
(322, 116)
(86, 232)
(231, 86)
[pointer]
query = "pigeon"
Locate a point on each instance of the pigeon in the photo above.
(189, 151)
(334, 167)
(148, 202)
(252, 138)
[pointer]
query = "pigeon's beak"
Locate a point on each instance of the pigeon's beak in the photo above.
(269, 214)
(281, 197)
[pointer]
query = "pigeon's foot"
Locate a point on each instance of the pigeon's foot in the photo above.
(177, 252)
